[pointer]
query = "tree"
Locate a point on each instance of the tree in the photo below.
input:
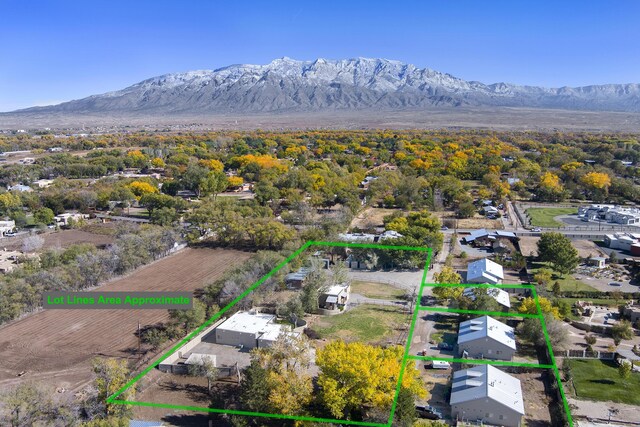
(212, 184)
(531, 331)
(285, 363)
(205, 368)
(24, 405)
(557, 249)
(164, 216)
(543, 277)
(111, 376)
(254, 388)
(405, 414)
(622, 331)
(32, 243)
(556, 288)
(448, 276)
(140, 188)
(590, 340)
(529, 306)
(157, 162)
(448, 292)
(43, 216)
(624, 369)
(191, 318)
(356, 376)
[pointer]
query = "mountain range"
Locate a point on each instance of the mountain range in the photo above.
(286, 85)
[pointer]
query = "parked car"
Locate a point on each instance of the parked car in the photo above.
(445, 346)
(537, 230)
(444, 228)
(615, 284)
(428, 412)
(10, 234)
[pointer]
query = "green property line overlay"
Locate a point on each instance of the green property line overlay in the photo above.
(481, 362)
(407, 347)
(113, 398)
(553, 366)
(479, 312)
(553, 358)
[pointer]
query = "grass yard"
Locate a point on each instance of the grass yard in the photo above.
(377, 290)
(567, 283)
(445, 329)
(544, 217)
(599, 380)
(366, 323)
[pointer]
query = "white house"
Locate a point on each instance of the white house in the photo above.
(335, 297)
(63, 219)
(20, 188)
(488, 395)
(250, 329)
(486, 338)
(43, 183)
(500, 295)
(485, 271)
(7, 226)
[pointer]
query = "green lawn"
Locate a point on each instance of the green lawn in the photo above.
(543, 217)
(365, 323)
(599, 380)
(567, 282)
(377, 290)
(445, 330)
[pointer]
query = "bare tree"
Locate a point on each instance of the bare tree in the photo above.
(32, 243)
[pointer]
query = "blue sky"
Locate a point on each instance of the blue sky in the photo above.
(52, 51)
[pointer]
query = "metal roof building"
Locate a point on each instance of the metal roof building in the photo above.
(488, 395)
(501, 296)
(486, 338)
(485, 271)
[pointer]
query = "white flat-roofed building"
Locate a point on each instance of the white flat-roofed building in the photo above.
(335, 297)
(250, 330)
(484, 394)
(501, 296)
(485, 271)
(486, 338)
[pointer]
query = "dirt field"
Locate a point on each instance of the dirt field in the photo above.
(62, 239)
(585, 248)
(371, 217)
(56, 345)
(536, 401)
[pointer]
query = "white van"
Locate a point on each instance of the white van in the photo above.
(439, 364)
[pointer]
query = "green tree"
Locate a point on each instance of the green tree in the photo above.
(164, 216)
(405, 414)
(191, 318)
(624, 369)
(557, 249)
(43, 216)
(622, 331)
(254, 388)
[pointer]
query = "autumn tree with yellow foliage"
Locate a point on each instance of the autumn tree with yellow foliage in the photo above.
(356, 377)
(550, 188)
(529, 306)
(597, 185)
